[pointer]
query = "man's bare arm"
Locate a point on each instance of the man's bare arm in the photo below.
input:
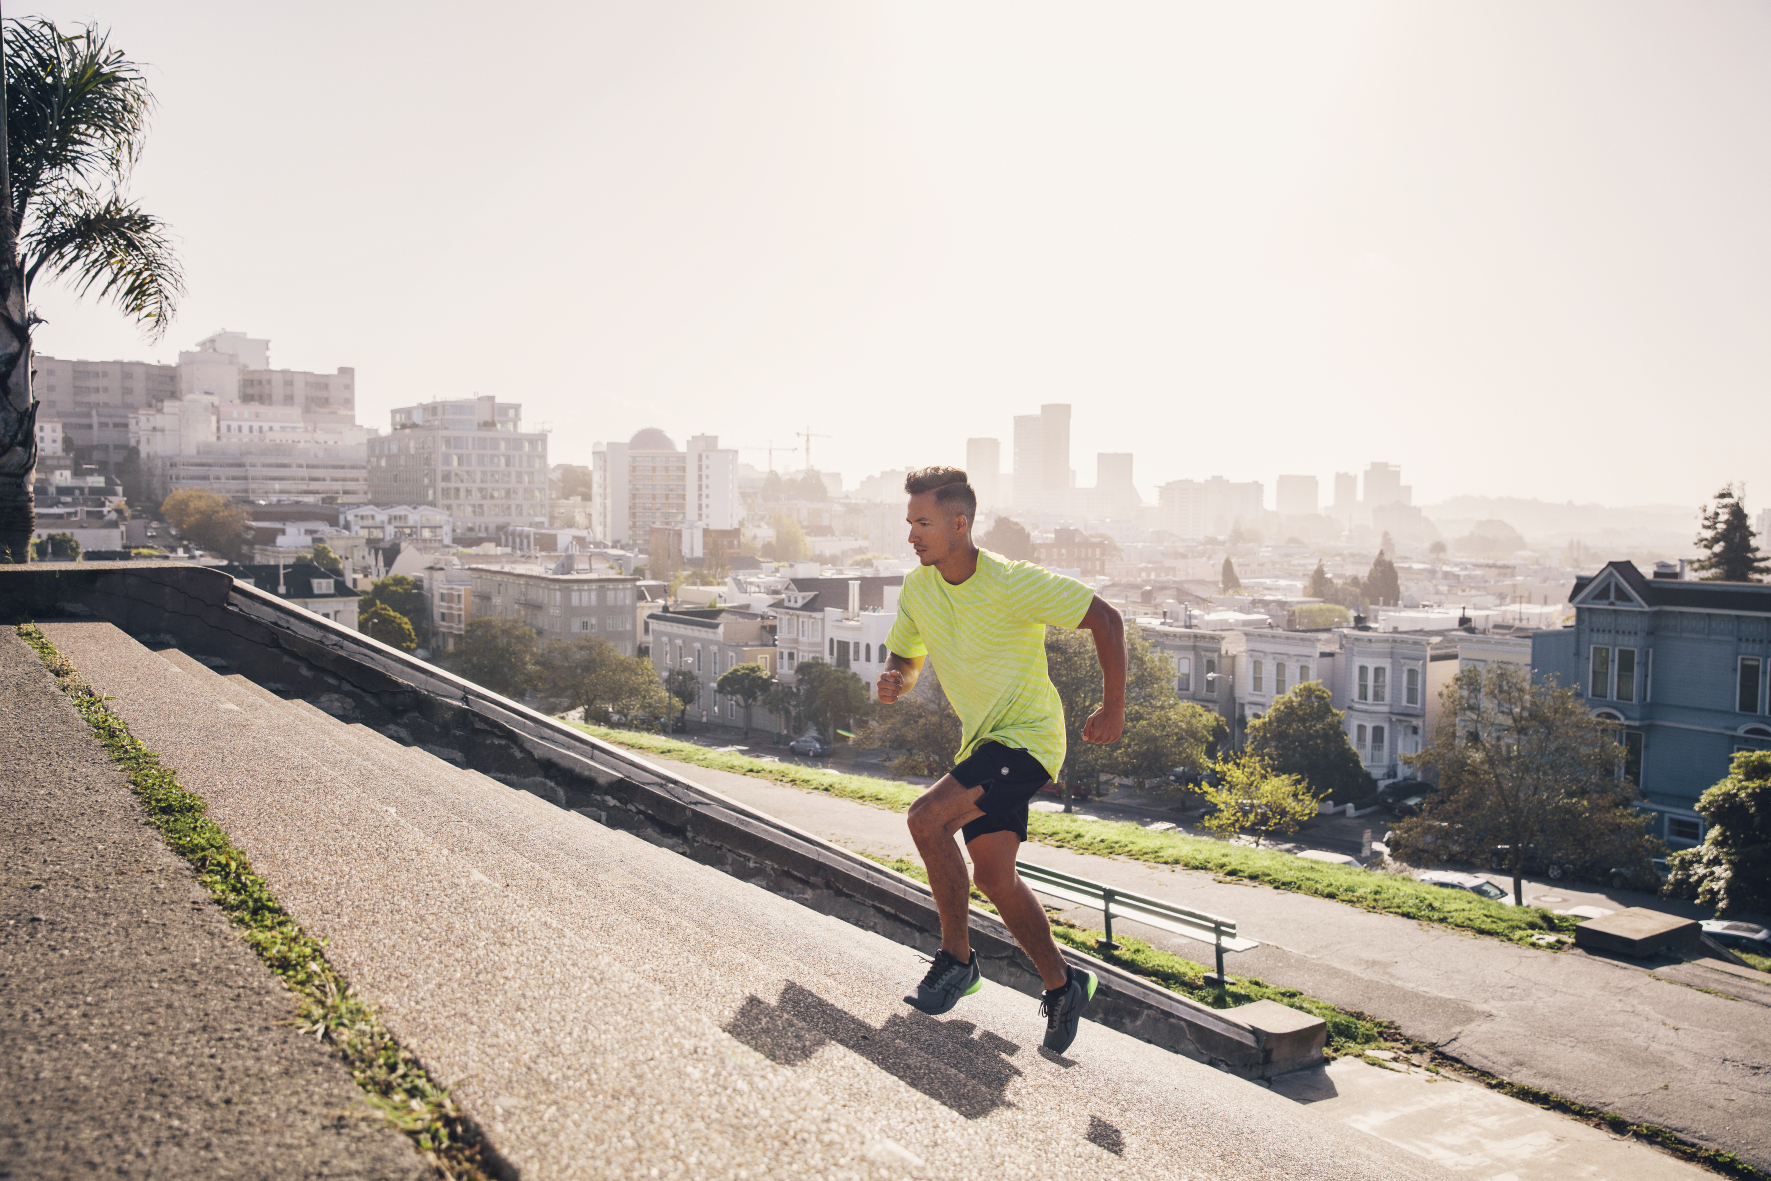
(900, 676)
(1107, 722)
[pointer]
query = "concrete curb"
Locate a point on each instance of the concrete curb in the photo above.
(298, 654)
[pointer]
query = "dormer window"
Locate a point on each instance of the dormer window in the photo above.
(322, 586)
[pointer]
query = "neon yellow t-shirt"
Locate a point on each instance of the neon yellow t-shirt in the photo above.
(987, 638)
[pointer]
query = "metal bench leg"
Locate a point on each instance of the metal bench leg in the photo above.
(1107, 915)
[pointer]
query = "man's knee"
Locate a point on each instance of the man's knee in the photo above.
(995, 881)
(923, 822)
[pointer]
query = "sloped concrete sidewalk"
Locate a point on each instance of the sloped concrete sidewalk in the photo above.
(140, 1036)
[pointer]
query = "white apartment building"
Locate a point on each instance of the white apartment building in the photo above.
(467, 456)
(557, 605)
(1204, 668)
(1270, 664)
(807, 619)
(402, 522)
(647, 483)
(49, 438)
(1388, 683)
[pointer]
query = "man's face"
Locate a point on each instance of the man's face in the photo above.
(935, 533)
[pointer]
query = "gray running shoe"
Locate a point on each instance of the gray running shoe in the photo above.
(1063, 1009)
(946, 982)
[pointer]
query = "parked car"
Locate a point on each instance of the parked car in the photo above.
(1736, 936)
(1409, 807)
(1553, 865)
(811, 745)
(1635, 879)
(1391, 794)
(1481, 887)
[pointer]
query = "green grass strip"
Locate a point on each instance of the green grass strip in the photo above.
(1349, 1032)
(390, 1076)
(1386, 893)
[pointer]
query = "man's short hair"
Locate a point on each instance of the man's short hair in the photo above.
(952, 491)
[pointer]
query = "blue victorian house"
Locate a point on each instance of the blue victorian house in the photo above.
(1682, 665)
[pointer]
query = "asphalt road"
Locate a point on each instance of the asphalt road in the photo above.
(1608, 1034)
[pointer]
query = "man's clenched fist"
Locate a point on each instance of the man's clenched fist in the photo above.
(891, 684)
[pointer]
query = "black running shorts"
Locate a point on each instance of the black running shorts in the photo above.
(1010, 779)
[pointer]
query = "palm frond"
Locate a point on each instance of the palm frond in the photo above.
(76, 109)
(105, 244)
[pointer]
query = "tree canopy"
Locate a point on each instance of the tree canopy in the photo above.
(831, 698)
(381, 622)
(1250, 796)
(1301, 734)
(1227, 579)
(403, 595)
(684, 688)
(1524, 766)
(921, 723)
(1731, 870)
(790, 541)
(209, 521)
(1382, 585)
(1009, 538)
(500, 654)
(327, 559)
(586, 672)
(746, 683)
(1733, 552)
(808, 485)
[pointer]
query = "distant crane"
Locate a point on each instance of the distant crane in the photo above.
(808, 436)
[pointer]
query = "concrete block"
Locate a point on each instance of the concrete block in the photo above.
(1637, 932)
(1289, 1039)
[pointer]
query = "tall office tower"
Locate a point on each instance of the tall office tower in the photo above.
(1346, 493)
(468, 455)
(983, 466)
(713, 484)
(1384, 486)
(657, 486)
(1115, 494)
(1296, 496)
(608, 492)
(1054, 437)
(1182, 506)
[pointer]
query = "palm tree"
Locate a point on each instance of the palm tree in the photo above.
(75, 113)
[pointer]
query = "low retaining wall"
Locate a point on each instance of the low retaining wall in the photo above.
(298, 654)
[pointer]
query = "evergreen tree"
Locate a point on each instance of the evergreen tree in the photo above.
(1382, 586)
(1010, 539)
(381, 622)
(1321, 585)
(1227, 580)
(1731, 870)
(1730, 540)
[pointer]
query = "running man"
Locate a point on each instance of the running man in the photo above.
(983, 619)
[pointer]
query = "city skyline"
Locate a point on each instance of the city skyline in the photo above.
(1333, 224)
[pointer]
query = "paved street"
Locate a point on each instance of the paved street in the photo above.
(1605, 1033)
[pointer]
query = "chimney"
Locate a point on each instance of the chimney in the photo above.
(854, 599)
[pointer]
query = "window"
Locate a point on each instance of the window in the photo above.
(1747, 699)
(1303, 673)
(697, 658)
(1378, 678)
(1599, 684)
(1684, 828)
(1359, 736)
(867, 650)
(1256, 681)
(1411, 686)
(1184, 674)
(322, 586)
(1211, 676)
(833, 647)
(1377, 742)
(1630, 766)
(1278, 677)
(1364, 685)
(1626, 674)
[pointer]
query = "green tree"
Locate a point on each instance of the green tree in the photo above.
(1732, 544)
(1315, 617)
(1301, 734)
(1249, 796)
(381, 622)
(1731, 870)
(575, 480)
(405, 596)
(499, 654)
(747, 684)
(57, 545)
(1161, 732)
(1525, 766)
(782, 700)
(1320, 586)
(921, 723)
(1437, 549)
(790, 541)
(1227, 580)
(209, 522)
(829, 697)
(1382, 586)
(684, 687)
(1010, 539)
(74, 124)
(327, 559)
(590, 674)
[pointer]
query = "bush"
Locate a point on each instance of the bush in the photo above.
(1731, 870)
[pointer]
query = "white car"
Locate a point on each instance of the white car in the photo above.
(1481, 887)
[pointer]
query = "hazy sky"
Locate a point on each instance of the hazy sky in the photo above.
(1517, 248)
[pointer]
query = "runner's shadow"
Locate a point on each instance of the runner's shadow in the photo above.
(941, 1059)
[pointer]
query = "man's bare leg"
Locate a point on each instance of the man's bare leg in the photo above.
(993, 865)
(937, 814)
